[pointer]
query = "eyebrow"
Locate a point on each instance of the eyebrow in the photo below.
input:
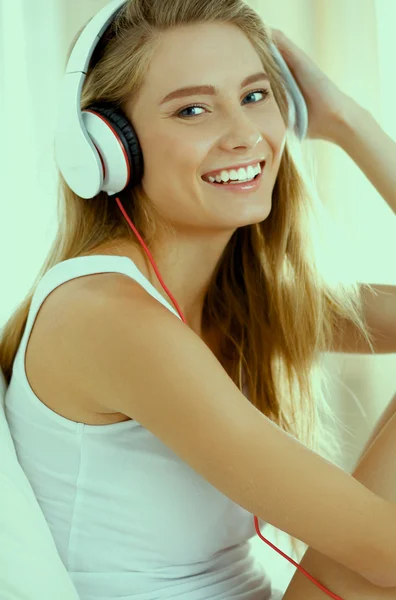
(210, 89)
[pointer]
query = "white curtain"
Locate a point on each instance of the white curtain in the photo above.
(352, 40)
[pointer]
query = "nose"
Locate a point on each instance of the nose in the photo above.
(242, 132)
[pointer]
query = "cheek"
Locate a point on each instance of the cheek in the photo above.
(171, 159)
(170, 165)
(277, 134)
(281, 141)
(162, 146)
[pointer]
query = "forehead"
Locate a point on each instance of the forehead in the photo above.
(200, 54)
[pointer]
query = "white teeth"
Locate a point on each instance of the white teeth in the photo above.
(234, 175)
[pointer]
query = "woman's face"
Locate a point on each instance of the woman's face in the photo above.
(182, 143)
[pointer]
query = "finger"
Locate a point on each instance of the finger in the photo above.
(277, 35)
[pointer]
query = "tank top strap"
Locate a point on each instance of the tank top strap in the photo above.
(80, 266)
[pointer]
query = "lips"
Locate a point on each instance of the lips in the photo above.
(215, 173)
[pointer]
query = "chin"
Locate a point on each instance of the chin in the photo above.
(256, 216)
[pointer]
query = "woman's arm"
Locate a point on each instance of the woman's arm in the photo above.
(373, 151)
(383, 420)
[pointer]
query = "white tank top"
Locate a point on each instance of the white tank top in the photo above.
(129, 518)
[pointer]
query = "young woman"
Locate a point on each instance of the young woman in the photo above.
(151, 445)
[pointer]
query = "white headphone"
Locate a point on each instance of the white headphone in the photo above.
(97, 149)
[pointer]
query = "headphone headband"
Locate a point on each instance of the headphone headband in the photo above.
(90, 36)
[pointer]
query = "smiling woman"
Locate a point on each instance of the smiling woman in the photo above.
(118, 402)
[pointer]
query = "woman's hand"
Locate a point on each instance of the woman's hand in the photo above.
(327, 104)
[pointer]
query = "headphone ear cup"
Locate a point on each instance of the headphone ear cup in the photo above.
(126, 136)
(298, 110)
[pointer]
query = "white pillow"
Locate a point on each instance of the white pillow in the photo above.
(30, 566)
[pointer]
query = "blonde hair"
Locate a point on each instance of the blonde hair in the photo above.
(268, 297)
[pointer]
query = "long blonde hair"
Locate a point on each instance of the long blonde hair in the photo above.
(268, 297)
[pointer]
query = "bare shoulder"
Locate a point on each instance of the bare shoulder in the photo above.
(45, 359)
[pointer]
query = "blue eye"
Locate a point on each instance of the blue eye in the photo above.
(265, 93)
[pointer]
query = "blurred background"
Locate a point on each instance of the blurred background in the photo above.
(353, 41)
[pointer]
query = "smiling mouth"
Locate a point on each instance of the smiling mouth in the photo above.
(237, 181)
